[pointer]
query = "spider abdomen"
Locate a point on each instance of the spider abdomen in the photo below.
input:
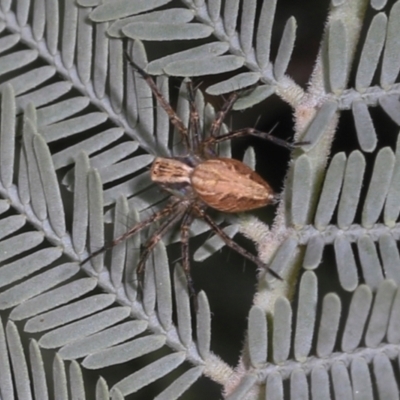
(228, 185)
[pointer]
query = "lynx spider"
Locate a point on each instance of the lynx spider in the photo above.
(200, 179)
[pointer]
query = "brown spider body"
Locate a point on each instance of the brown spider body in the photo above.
(200, 179)
(224, 184)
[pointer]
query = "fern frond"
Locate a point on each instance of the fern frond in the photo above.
(176, 24)
(369, 320)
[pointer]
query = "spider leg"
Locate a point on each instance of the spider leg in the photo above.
(187, 221)
(211, 141)
(155, 238)
(232, 244)
(194, 122)
(167, 210)
(219, 119)
(173, 116)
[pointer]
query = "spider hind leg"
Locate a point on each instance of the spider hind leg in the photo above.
(186, 222)
(233, 245)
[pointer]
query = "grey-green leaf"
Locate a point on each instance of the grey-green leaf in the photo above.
(320, 384)
(96, 226)
(371, 51)
(60, 378)
(163, 286)
(370, 263)
(102, 340)
(124, 352)
(182, 301)
(305, 315)
(264, 31)
(282, 330)
(236, 83)
(230, 16)
(390, 104)
(329, 324)
(18, 362)
(364, 126)
(392, 205)
(76, 381)
(378, 187)
(298, 383)
(352, 183)
(258, 339)
(36, 285)
(319, 124)
(302, 186)
(68, 313)
(7, 136)
(285, 48)
(84, 327)
(208, 50)
(166, 32)
(361, 379)
(205, 66)
(25, 266)
(51, 188)
(247, 25)
(330, 191)
(380, 314)
(393, 330)
(123, 8)
(168, 16)
(390, 257)
(180, 385)
(38, 371)
(259, 94)
(391, 54)
(338, 55)
(385, 377)
(150, 373)
(346, 264)
(6, 382)
(341, 381)
(203, 326)
(357, 316)
(53, 298)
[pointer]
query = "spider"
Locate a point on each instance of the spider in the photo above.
(199, 180)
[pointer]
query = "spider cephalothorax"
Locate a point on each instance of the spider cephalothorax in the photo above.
(199, 179)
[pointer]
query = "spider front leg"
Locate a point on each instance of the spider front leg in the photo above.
(212, 141)
(233, 245)
(194, 121)
(220, 117)
(172, 115)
